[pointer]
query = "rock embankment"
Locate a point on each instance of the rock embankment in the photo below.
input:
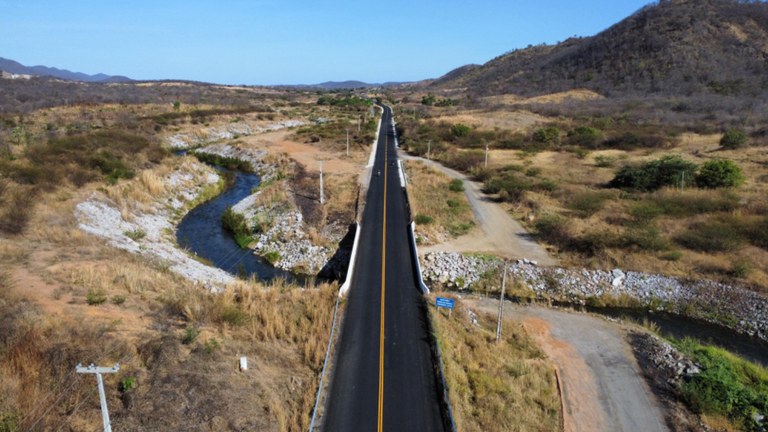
(228, 132)
(254, 157)
(148, 229)
(735, 307)
(286, 243)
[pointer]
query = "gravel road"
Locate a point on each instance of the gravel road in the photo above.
(602, 384)
(499, 233)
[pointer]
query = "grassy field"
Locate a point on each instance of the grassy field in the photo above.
(438, 204)
(505, 386)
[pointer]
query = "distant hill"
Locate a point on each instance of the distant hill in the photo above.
(342, 85)
(14, 67)
(669, 47)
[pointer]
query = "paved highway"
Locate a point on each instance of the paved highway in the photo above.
(384, 379)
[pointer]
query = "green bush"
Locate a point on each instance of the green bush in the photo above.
(733, 139)
(549, 136)
(272, 257)
(456, 185)
(127, 384)
(653, 175)
(460, 130)
(118, 299)
(136, 234)
(236, 224)
(758, 232)
(423, 219)
(727, 385)
(719, 173)
(585, 136)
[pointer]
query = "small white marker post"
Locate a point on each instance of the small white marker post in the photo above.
(322, 196)
(501, 301)
(102, 395)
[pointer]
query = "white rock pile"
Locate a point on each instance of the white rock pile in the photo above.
(735, 307)
(287, 238)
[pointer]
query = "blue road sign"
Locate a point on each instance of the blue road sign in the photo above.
(445, 303)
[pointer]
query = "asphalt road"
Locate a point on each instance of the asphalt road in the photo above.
(384, 378)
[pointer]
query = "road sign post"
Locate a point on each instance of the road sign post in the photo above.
(446, 303)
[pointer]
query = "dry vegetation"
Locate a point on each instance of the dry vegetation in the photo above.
(505, 386)
(555, 177)
(439, 205)
(66, 298)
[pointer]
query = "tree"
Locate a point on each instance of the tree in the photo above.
(733, 139)
(548, 135)
(653, 175)
(586, 136)
(719, 173)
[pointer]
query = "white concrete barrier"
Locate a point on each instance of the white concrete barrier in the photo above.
(351, 269)
(422, 285)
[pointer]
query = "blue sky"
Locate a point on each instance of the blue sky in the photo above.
(288, 41)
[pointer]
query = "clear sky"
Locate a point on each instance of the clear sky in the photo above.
(288, 41)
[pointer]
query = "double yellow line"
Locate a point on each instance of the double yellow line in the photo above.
(383, 292)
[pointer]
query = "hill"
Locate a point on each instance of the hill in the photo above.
(15, 67)
(669, 47)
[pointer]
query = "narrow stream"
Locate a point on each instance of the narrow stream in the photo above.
(202, 233)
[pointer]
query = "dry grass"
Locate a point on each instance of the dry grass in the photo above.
(440, 213)
(506, 386)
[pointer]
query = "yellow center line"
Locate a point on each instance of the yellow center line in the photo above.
(383, 291)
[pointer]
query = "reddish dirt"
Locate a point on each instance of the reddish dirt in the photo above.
(579, 391)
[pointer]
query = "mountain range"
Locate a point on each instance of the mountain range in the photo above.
(15, 67)
(667, 47)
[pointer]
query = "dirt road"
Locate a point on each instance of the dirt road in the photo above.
(602, 384)
(497, 233)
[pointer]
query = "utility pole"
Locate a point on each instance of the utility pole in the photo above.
(322, 197)
(501, 301)
(347, 142)
(102, 396)
(486, 154)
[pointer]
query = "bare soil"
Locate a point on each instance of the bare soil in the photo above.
(603, 387)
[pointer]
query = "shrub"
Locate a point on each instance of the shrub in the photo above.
(512, 186)
(733, 139)
(588, 203)
(233, 316)
(118, 299)
(585, 136)
(95, 297)
(423, 219)
(758, 233)
(552, 229)
(460, 130)
(727, 385)
(135, 235)
(653, 175)
(712, 236)
(694, 202)
(272, 257)
(549, 136)
(719, 173)
(456, 185)
(645, 212)
(646, 238)
(127, 384)
(190, 334)
(603, 161)
(236, 224)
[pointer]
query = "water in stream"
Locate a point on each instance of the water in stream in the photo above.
(202, 233)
